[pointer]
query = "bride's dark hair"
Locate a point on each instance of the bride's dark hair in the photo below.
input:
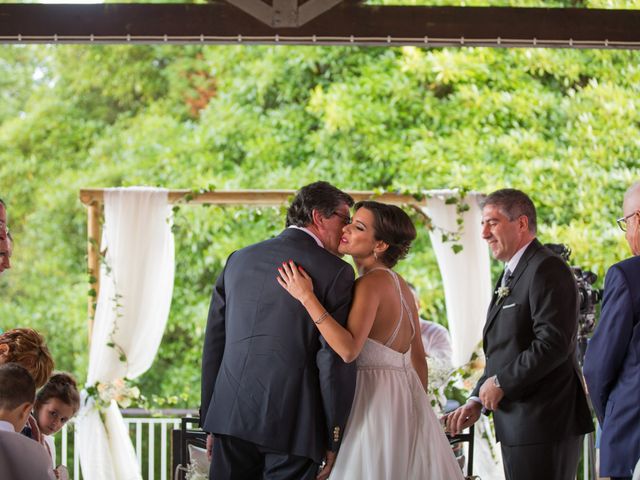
(393, 226)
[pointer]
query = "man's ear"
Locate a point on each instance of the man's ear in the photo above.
(5, 350)
(317, 218)
(24, 411)
(523, 221)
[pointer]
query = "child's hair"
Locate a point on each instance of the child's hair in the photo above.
(16, 386)
(61, 386)
(28, 348)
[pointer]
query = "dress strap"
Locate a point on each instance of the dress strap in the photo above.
(403, 307)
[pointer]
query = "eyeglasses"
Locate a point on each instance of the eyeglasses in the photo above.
(346, 219)
(622, 221)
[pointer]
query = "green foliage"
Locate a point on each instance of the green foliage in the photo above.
(561, 124)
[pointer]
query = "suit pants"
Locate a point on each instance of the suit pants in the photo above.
(236, 459)
(549, 461)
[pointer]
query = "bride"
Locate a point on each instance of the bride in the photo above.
(392, 431)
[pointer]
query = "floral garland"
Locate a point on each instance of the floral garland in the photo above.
(119, 390)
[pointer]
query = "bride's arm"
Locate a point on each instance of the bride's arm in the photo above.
(418, 355)
(346, 342)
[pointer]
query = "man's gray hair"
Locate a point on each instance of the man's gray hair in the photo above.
(513, 204)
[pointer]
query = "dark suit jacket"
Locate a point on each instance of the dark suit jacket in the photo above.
(529, 341)
(612, 370)
(23, 459)
(268, 377)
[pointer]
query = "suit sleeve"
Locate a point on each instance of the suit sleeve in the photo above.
(481, 380)
(337, 378)
(553, 300)
(610, 342)
(213, 349)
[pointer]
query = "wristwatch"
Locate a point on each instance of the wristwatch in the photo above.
(496, 382)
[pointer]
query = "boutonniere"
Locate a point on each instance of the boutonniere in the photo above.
(503, 292)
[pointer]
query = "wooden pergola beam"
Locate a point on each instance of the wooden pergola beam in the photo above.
(348, 23)
(264, 198)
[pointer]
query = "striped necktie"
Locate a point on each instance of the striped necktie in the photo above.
(506, 276)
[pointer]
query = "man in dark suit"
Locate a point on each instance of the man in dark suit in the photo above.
(531, 381)
(612, 360)
(274, 395)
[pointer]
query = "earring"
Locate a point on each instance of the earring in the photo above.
(375, 256)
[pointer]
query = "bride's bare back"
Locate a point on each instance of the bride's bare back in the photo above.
(390, 310)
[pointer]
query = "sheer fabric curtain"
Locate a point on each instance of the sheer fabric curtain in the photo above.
(136, 284)
(466, 276)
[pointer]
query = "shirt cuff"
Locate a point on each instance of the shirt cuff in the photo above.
(475, 399)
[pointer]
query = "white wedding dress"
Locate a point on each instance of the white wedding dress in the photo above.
(392, 432)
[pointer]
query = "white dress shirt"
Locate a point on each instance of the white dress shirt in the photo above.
(318, 241)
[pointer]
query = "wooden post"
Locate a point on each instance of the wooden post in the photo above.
(93, 260)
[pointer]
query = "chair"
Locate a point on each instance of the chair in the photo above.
(465, 437)
(181, 439)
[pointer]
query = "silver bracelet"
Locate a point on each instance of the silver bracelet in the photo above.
(321, 318)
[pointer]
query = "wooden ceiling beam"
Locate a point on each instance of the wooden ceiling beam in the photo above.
(348, 23)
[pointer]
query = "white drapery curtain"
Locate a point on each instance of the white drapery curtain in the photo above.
(136, 284)
(466, 276)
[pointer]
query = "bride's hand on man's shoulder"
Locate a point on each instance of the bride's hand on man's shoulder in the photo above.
(295, 280)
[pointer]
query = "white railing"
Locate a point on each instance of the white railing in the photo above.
(151, 438)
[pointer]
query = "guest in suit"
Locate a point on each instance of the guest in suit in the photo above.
(274, 394)
(20, 457)
(531, 380)
(5, 239)
(612, 360)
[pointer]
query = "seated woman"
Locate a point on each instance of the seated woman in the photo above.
(27, 348)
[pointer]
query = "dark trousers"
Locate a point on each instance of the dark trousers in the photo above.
(235, 459)
(549, 461)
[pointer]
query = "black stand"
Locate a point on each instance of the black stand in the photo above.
(465, 437)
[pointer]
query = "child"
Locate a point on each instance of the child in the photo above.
(56, 403)
(20, 457)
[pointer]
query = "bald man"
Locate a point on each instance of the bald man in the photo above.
(612, 360)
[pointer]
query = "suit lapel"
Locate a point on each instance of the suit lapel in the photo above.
(496, 303)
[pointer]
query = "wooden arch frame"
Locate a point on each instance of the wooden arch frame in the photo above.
(93, 199)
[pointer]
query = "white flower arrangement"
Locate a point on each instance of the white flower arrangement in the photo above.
(440, 373)
(503, 292)
(118, 390)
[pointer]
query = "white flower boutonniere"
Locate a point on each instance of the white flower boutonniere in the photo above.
(503, 292)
